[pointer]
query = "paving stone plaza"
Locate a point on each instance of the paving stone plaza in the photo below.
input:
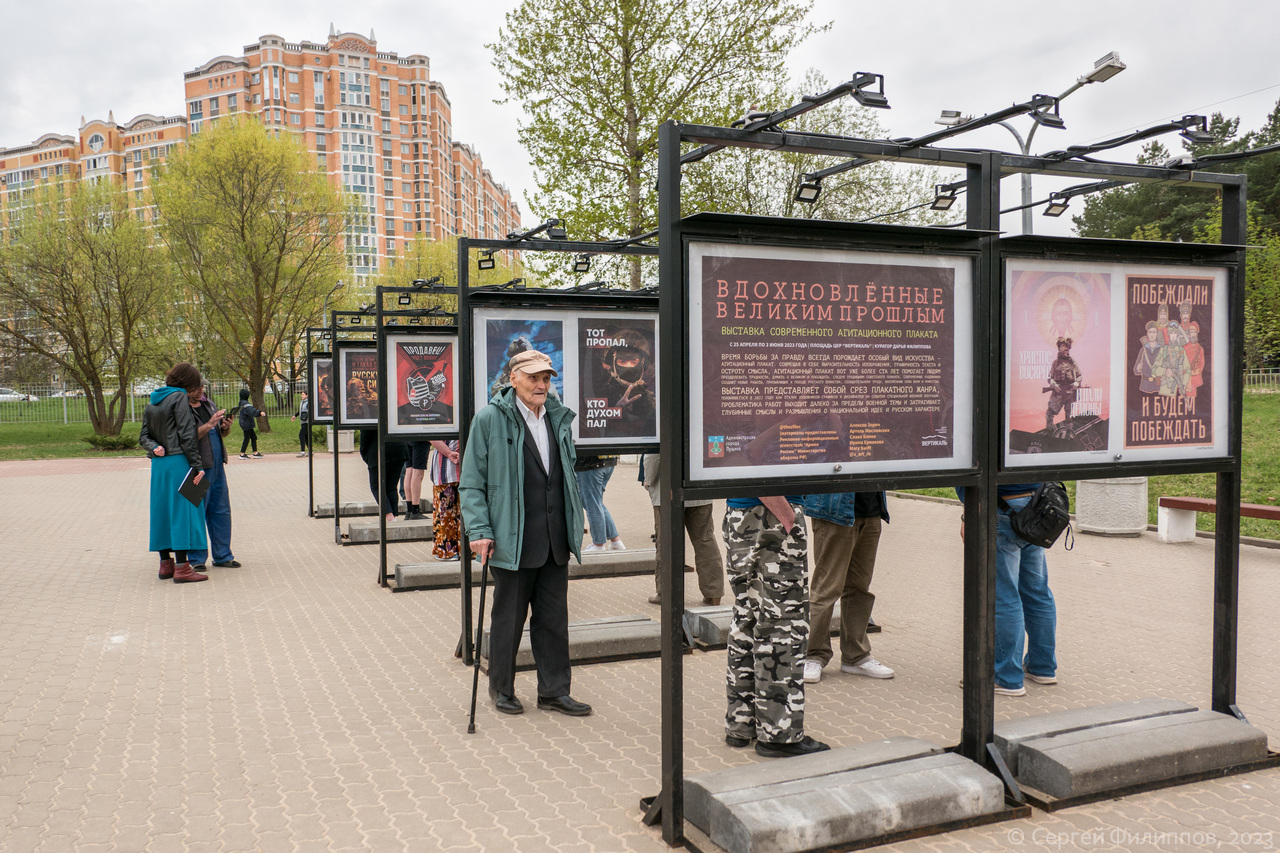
(293, 704)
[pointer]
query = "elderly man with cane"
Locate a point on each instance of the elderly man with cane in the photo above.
(523, 517)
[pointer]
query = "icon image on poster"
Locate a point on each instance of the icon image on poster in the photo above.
(715, 447)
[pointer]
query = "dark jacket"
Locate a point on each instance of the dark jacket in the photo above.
(491, 488)
(204, 412)
(249, 415)
(846, 507)
(169, 421)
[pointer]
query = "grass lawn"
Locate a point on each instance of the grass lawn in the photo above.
(59, 441)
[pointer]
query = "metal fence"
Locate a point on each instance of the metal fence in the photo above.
(59, 404)
(1263, 379)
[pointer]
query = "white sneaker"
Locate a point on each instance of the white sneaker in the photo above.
(1010, 691)
(594, 547)
(812, 671)
(870, 667)
(616, 545)
(1043, 679)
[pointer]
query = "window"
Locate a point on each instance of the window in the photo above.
(342, 60)
(389, 206)
(257, 78)
(319, 119)
(408, 207)
(404, 109)
(386, 146)
(386, 126)
(232, 103)
(406, 188)
(404, 148)
(386, 105)
(320, 162)
(196, 109)
(391, 246)
(404, 90)
(97, 140)
(293, 76)
(295, 118)
(257, 97)
(404, 168)
(385, 86)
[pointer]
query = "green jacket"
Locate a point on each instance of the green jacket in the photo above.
(491, 487)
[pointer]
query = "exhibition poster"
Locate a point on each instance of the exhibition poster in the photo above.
(322, 390)
(808, 361)
(421, 384)
(358, 392)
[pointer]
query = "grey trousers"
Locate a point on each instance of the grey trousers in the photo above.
(844, 559)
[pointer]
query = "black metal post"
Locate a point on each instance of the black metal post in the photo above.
(466, 410)
(337, 410)
(382, 442)
(672, 302)
(977, 724)
(1226, 546)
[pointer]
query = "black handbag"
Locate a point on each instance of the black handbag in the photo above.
(1045, 516)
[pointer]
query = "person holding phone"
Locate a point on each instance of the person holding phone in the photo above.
(169, 435)
(214, 427)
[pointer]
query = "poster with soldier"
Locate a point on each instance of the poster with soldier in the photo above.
(321, 374)
(502, 333)
(357, 385)
(421, 384)
(1170, 336)
(1058, 384)
(617, 378)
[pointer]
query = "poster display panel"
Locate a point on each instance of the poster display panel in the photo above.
(815, 361)
(1113, 362)
(606, 361)
(357, 386)
(422, 384)
(320, 374)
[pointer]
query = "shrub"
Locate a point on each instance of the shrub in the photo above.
(113, 442)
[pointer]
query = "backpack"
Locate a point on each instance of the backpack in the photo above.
(247, 415)
(1045, 516)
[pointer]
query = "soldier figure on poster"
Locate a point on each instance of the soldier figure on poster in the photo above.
(1064, 379)
(1145, 366)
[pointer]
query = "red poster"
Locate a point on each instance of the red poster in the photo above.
(822, 361)
(1059, 381)
(1169, 394)
(423, 374)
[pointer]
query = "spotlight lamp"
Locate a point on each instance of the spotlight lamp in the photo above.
(1104, 69)
(1057, 205)
(1046, 112)
(404, 299)
(355, 321)
(432, 282)
(1195, 130)
(952, 118)
(325, 335)
(582, 263)
(866, 96)
(943, 197)
(415, 321)
(810, 189)
(486, 261)
(556, 230)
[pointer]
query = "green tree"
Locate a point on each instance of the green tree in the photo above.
(256, 235)
(1262, 284)
(84, 287)
(598, 78)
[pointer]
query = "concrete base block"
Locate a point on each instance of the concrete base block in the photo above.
(904, 786)
(1113, 507)
(1175, 525)
(353, 509)
(612, 638)
(597, 564)
(368, 532)
(1010, 735)
(1137, 752)
(710, 625)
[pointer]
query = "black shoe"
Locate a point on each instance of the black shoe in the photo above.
(228, 564)
(737, 742)
(505, 703)
(565, 705)
(199, 567)
(804, 746)
(414, 516)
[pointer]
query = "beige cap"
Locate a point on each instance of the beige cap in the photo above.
(531, 361)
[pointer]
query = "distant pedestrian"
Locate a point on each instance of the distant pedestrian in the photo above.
(592, 474)
(701, 528)
(169, 435)
(304, 431)
(444, 465)
(249, 422)
(414, 473)
(397, 455)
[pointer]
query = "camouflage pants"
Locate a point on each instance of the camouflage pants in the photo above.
(768, 574)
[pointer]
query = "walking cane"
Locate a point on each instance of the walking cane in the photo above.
(475, 675)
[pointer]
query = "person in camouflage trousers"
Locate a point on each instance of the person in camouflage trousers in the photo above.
(768, 573)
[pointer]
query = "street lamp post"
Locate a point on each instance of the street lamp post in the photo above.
(1104, 69)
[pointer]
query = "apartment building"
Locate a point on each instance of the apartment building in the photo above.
(376, 122)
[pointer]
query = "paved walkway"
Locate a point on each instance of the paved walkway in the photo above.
(293, 704)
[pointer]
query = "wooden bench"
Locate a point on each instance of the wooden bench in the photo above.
(1176, 517)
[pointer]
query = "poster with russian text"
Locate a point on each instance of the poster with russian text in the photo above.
(617, 378)
(322, 390)
(421, 384)
(811, 361)
(1113, 362)
(357, 386)
(1170, 334)
(1059, 382)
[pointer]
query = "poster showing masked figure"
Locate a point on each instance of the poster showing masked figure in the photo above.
(617, 372)
(421, 384)
(1059, 381)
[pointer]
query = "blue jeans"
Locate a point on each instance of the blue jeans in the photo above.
(217, 514)
(591, 487)
(1024, 606)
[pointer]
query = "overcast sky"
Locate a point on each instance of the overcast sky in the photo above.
(977, 57)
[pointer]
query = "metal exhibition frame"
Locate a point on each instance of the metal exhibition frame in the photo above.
(439, 324)
(983, 171)
(336, 327)
(322, 335)
(469, 298)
